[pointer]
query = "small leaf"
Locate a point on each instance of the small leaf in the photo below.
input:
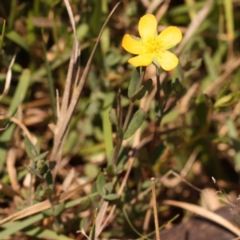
(233, 134)
(84, 223)
(170, 116)
(133, 83)
(143, 90)
(101, 181)
(201, 110)
(111, 197)
(119, 132)
(224, 90)
(34, 172)
(111, 170)
(113, 117)
(57, 210)
(193, 67)
(227, 100)
(31, 152)
(167, 87)
(112, 58)
(18, 39)
(108, 187)
(135, 123)
(114, 121)
(40, 157)
(48, 177)
(177, 86)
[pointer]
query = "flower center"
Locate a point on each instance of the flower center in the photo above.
(152, 46)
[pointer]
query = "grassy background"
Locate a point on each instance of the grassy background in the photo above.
(199, 136)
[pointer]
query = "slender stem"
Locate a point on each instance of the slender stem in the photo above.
(31, 184)
(2, 34)
(50, 81)
(127, 119)
(119, 107)
(12, 14)
(155, 209)
(159, 110)
(130, 108)
(50, 199)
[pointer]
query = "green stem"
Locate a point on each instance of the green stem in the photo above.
(51, 205)
(127, 119)
(12, 15)
(159, 110)
(50, 82)
(2, 35)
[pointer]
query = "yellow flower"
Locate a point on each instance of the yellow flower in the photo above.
(152, 47)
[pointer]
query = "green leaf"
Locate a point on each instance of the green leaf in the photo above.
(167, 87)
(113, 117)
(193, 67)
(135, 123)
(158, 151)
(227, 100)
(111, 197)
(223, 91)
(133, 83)
(113, 58)
(18, 39)
(201, 110)
(27, 226)
(108, 187)
(233, 134)
(114, 121)
(20, 225)
(20, 92)
(170, 116)
(48, 177)
(2, 34)
(34, 172)
(19, 95)
(107, 127)
(29, 148)
(101, 181)
(211, 68)
(56, 210)
(40, 157)
(84, 223)
(111, 170)
(143, 90)
(177, 86)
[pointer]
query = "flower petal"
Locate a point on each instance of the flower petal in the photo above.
(131, 45)
(169, 37)
(147, 26)
(141, 60)
(167, 60)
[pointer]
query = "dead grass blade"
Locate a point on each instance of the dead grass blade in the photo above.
(196, 22)
(73, 64)
(206, 214)
(218, 83)
(22, 126)
(8, 78)
(73, 72)
(39, 207)
(11, 169)
(63, 123)
(7, 190)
